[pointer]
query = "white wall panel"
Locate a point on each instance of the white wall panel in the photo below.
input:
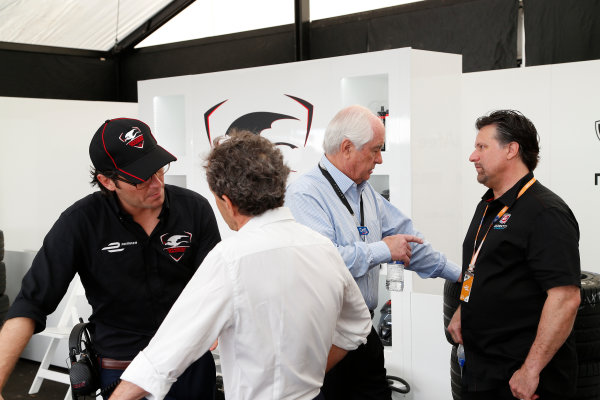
(45, 163)
(575, 150)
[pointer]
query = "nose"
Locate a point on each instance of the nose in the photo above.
(378, 158)
(473, 157)
(155, 180)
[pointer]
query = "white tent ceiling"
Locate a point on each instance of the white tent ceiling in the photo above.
(79, 24)
(99, 24)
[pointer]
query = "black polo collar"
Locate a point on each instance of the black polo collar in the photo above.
(113, 201)
(511, 194)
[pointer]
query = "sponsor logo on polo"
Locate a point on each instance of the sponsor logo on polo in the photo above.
(133, 138)
(176, 244)
(504, 218)
(115, 247)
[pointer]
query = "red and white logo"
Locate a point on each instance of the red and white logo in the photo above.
(176, 245)
(133, 138)
(504, 218)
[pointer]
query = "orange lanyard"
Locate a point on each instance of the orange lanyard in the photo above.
(500, 214)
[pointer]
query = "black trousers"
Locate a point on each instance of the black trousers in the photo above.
(360, 375)
(198, 381)
(319, 396)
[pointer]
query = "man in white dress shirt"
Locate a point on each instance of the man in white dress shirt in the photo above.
(277, 295)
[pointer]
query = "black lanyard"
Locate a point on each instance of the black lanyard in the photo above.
(338, 191)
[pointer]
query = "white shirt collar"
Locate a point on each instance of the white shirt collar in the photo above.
(268, 217)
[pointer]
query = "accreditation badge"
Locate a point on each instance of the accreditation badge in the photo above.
(363, 231)
(467, 283)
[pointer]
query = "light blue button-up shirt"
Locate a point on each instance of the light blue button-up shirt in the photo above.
(315, 204)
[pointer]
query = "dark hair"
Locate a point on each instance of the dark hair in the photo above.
(248, 169)
(512, 126)
(112, 175)
(95, 182)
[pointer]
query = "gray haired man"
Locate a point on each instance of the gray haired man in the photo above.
(336, 199)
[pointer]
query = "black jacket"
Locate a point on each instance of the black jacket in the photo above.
(131, 279)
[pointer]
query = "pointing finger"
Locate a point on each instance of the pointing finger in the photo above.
(414, 239)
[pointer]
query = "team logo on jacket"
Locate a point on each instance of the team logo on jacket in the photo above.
(504, 218)
(502, 222)
(133, 138)
(176, 245)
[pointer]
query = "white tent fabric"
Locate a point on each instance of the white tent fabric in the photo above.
(79, 24)
(92, 24)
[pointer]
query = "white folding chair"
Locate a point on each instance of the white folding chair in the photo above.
(68, 319)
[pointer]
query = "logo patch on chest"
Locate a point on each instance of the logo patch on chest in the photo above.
(504, 218)
(176, 245)
(502, 222)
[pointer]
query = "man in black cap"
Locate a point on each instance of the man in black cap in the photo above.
(135, 244)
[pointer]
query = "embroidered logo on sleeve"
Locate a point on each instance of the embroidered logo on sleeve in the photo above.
(176, 245)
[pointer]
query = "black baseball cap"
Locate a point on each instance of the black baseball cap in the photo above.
(127, 146)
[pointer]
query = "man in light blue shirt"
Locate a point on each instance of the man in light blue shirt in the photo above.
(336, 199)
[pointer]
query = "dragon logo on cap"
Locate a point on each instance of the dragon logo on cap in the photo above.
(133, 138)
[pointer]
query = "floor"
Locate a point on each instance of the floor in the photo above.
(20, 380)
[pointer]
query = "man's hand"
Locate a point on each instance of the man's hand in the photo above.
(399, 246)
(454, 327)
(523, 384)
(336, 354)
(214, 346)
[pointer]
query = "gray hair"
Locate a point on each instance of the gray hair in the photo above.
(354, 123)
(248, 169)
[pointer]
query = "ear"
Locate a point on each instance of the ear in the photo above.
(513, 150)
(232, 208)
(107, 182)
(227, 201)
(346, 146)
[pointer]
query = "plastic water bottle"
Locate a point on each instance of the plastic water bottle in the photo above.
(460, 354)
(395, 276)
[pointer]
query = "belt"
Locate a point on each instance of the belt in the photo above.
(109, 363)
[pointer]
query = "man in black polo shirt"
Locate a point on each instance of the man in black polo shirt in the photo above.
(135, 244)
(521, 273)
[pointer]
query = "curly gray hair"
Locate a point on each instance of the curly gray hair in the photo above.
(248, 169)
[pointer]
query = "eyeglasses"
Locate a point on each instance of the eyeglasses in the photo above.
(143, 185)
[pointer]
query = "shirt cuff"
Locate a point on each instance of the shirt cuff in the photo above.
(451, 271)
(381, 253)
(142, 373)
(349, 343)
